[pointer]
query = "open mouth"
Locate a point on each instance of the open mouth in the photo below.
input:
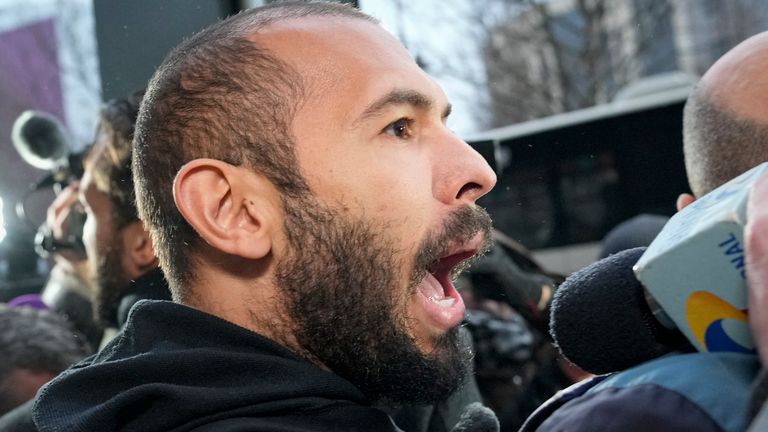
(445, 270)
(440, 299)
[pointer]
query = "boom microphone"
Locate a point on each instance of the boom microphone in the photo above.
(601, 321)
(40, 140)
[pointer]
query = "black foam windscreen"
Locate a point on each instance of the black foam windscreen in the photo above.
(600, 320)
(477, 418)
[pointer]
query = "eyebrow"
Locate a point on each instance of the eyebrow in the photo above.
(399, 97)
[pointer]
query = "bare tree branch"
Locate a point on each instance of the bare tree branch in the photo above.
(542, 57)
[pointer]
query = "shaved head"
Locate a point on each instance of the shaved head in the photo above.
(725, 123)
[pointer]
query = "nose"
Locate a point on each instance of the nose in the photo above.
(461, 174)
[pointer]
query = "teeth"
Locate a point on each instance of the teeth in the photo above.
(446, 302)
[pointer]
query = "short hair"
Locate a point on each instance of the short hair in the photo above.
(717, 143)
(218, 95)
(38, 341)
(109, 158)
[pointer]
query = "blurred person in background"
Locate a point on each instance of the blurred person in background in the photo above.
(69, 288)
(35, 346)
(121, 259)
(634, 232)
(96, 284)
(507, 296)
(121, 267)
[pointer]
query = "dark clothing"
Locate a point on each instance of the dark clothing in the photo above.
(635, 232)
(63, 299)
(703, 392)
(150, 286)
(19, 419)
(174, 368)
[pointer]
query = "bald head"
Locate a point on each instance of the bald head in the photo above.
(725, 122)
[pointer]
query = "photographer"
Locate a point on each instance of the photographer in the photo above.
(68, 289)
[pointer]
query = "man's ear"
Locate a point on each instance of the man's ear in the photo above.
(230, 207)
(684, 200)
(138, 253)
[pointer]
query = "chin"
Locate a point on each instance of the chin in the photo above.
(431, 376)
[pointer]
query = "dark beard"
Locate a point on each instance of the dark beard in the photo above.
(342, 293)
(111, 283)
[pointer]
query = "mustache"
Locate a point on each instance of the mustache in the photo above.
(461, 226)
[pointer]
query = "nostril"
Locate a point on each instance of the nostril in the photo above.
(468, 188)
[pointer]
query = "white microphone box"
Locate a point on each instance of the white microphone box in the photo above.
(695, 268)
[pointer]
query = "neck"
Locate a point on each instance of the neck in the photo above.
(256, 305)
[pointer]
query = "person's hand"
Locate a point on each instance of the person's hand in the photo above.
(58, 220)
(684, 200)
(756, 246)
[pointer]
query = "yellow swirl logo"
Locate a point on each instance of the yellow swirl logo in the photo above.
(717, 324)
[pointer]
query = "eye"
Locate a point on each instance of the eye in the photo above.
(401, 128)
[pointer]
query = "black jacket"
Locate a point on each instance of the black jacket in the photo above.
(174, 368)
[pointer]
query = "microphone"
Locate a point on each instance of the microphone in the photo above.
(40, 139)
(477, 418)
(695, 268)
(689, 284)
(602, 322)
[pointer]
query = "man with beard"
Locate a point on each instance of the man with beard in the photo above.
(120, 266)
(309, 208)
(118, 248)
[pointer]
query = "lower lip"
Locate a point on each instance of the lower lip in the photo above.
(442, 317)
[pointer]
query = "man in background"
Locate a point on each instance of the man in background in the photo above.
(725, 122)
(121, 259)
(110, 264)
(725, 134)
(68, 289)
(120, 267)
